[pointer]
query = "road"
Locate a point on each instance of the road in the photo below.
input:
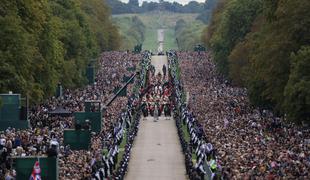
(157, 154)
(160, 39)
(158, 62)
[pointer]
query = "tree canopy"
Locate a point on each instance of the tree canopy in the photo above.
(264, 46)
(132, 6)
(46, 42)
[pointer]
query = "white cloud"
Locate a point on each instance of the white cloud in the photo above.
(179, 1)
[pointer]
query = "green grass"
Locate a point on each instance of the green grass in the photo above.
(186, 133)
(121, 150)
(187, 139)
(153, 21)
(150, 40)
(170, 40)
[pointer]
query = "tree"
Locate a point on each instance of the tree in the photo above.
(267, 52)
(233, 25)
(279, 37)
(297, 90)
(45, 42)
(133, 3)
(208, 8)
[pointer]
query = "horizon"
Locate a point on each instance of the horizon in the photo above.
(183, 2)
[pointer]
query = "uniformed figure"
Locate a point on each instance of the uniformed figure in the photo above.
(200, 169)
(106, 166)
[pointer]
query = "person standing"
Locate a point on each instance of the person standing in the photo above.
(156, 111)
(164, 71)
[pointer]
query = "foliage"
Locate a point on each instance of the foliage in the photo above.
(206, 14)
(297, 90)
(234, 24)
(132, 31)
(46, 42)
(105, 32)
(188, 34)
(267, 51)
(132, 6)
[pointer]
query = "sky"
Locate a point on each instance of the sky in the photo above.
(179, 1)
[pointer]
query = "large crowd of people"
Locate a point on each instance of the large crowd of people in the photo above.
(108, 165)
(241, 141)
(200, 158)
(47, 131)
(249, 142)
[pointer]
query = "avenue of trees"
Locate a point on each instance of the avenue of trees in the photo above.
(264, 45)
(45, 42)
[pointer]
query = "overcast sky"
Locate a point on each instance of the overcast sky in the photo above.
(179, 1)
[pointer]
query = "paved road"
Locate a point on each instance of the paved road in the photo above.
(157, 154)
(160, 39)
(160, 35)
(158, 62)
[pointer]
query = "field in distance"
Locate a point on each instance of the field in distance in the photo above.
(152, 21)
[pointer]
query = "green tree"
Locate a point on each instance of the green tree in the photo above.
(234, 23)
(297, 90)
(267, 54)
(280, 36)
(22, 22)
(46, 42)
(105, 33)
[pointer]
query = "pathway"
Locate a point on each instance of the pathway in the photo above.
(157, 154)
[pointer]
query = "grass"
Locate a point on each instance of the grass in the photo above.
(187, 139)
(153, 21)
(186, 133)
(170, 40)
(150, 40)
(121, 150)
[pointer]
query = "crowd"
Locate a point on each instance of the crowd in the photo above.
(45, 137)
(249, 143)
(107, 165)
(240, 141)
(193, 141)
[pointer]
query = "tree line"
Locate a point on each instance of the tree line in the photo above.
(45, 42)
(132, 32)
(265, 46)
(188, 34)
(133, 6)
